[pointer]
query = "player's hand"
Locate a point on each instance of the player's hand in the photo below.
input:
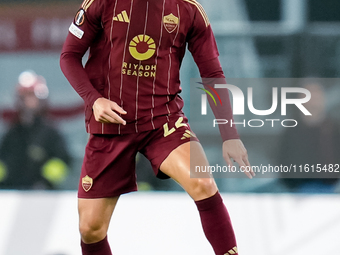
(104, 111)
(234, 149)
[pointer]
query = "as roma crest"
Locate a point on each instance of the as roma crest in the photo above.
(170, 22)
(87, 182)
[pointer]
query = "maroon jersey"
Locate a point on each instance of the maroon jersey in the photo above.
(136, 49)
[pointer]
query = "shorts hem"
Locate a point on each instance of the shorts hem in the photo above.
(115, 194)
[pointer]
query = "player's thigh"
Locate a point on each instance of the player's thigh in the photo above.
(180, 166)
(95, 215)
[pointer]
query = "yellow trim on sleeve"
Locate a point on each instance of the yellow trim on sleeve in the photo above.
(200, 9)
(86, 4)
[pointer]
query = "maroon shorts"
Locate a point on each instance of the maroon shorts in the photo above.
(109, 164)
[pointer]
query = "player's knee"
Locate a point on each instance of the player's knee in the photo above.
(92, 231)
(202, 188)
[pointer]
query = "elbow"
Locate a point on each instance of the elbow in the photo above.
(211, 69)
(69, 59)
(64, 60)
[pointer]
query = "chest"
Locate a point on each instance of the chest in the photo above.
(146, 25)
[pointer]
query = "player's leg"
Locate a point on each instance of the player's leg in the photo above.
(177, 166)
(94, 220)
(108, 171)
(214, 215)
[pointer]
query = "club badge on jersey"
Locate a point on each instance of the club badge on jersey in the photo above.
(170, 22)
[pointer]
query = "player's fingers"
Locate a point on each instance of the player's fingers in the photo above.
(247, 171)
(117, 108)
(244, 167)
(248, 174)
(119, 120)
(249, 168)
(228, 160)
(103, 120)
(246, 161)
(113, 117)
(99, 117)
(109, 117)
(247, 165)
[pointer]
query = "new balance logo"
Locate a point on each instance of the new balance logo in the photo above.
(232, 251)
(122, 17)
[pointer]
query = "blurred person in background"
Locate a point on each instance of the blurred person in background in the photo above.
(314, 141)
(33, 155)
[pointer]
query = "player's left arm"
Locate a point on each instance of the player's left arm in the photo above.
(202, 45)
(233, 148)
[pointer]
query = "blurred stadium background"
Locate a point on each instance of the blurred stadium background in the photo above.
(256, 39)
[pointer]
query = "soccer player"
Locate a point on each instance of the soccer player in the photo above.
(130, 85)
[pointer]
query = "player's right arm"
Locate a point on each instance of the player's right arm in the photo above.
(82, 33)
(85, 29)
